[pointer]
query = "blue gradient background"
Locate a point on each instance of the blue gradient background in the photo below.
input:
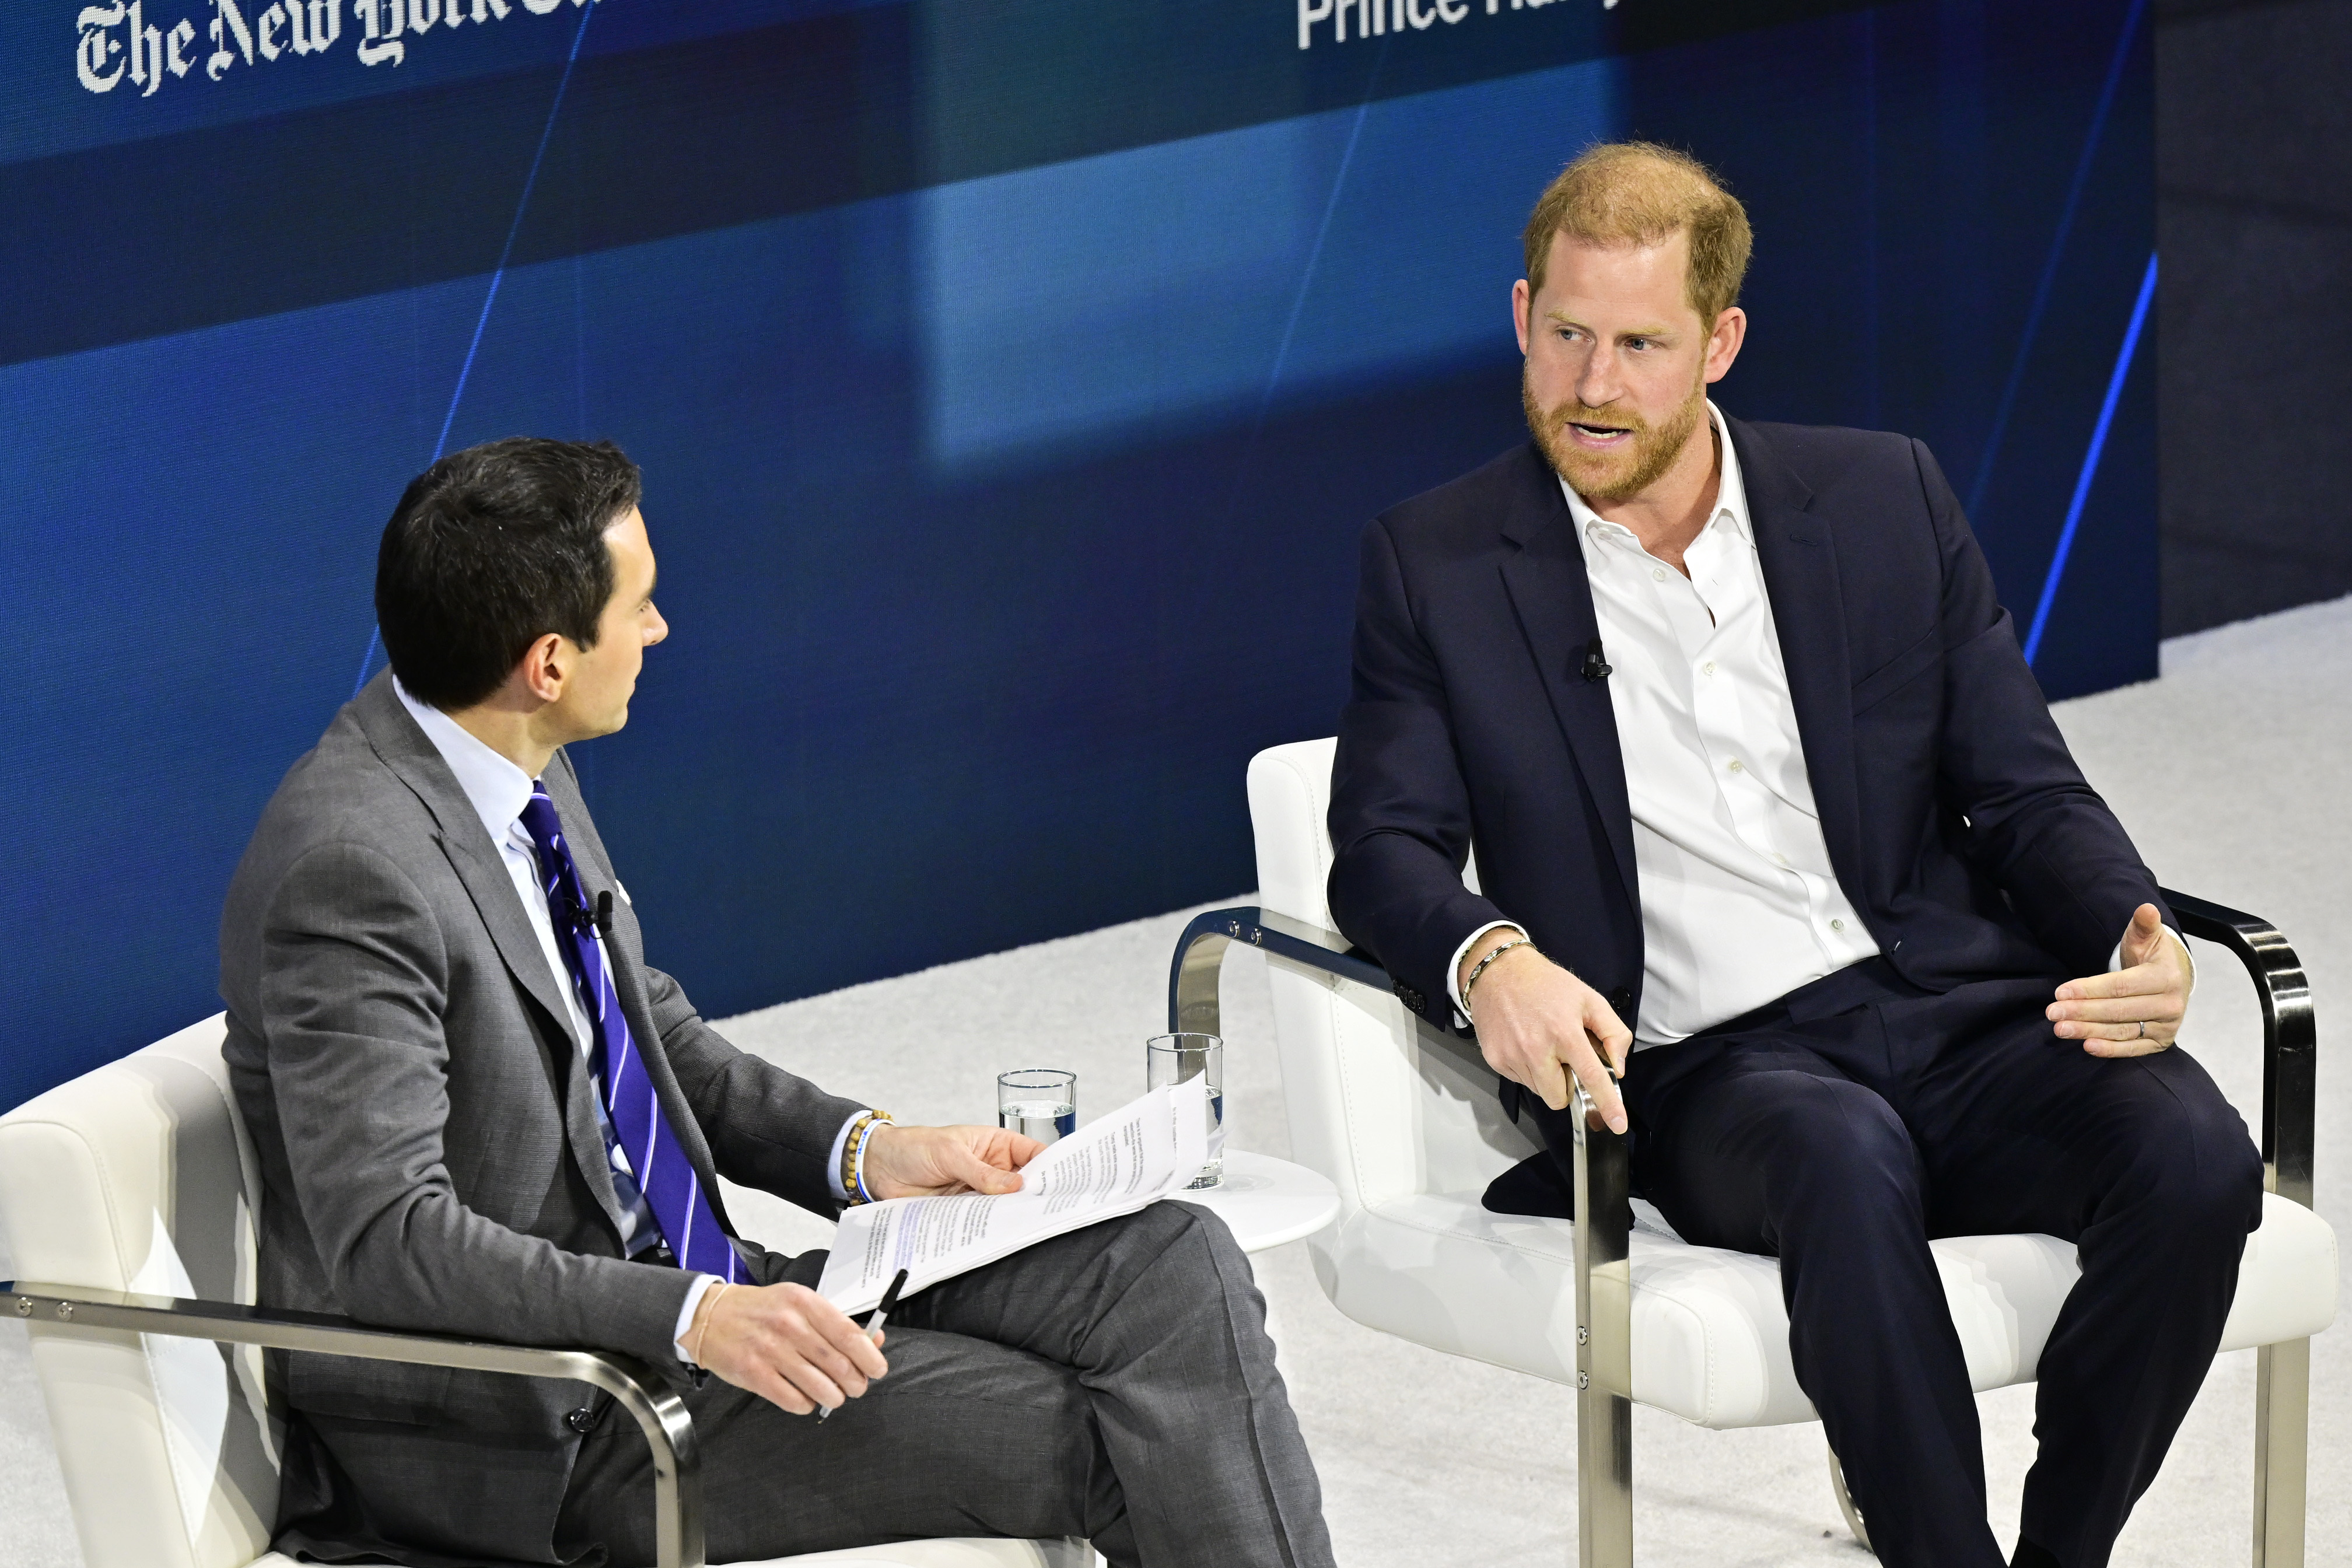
(1001, 518)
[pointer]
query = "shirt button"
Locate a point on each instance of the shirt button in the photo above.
(1657, 574)
(1837, 925)
(1737, 766)
(1708, 669)
(1779, 859)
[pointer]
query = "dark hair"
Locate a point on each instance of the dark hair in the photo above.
(490, 549)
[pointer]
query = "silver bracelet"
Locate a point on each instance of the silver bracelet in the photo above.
(1479, 968)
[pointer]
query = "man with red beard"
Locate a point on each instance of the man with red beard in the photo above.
(1784, 860)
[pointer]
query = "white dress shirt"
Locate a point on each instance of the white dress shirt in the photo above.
(498, 790)
(1739, 903)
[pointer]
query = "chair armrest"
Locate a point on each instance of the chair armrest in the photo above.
(1603, 1160)
(660, 1413)
(1201, 953)
(2290, 1036)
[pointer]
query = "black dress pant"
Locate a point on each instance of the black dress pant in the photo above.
(1842, 1127)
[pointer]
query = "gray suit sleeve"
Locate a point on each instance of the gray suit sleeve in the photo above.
(356, 982)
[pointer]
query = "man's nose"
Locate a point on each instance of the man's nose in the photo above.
(1596, 383)
(657, 631)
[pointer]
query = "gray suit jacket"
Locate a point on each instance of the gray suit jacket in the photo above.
(430, 1151)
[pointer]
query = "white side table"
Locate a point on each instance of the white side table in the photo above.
(1266, 1202)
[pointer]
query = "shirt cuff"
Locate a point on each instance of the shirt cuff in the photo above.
(2116, 959)
(694, 1295)
(833, 1161)
(1453, 968)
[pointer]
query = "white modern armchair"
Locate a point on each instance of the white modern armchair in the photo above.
(1403, 1118)
(131, 1192)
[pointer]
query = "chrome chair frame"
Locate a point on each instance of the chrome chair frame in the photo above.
(659, 1413)
(1604, 1218)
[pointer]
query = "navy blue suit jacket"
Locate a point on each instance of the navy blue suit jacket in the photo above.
(1958, 823)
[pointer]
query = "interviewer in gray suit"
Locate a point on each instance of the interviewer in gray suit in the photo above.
(422, 1067)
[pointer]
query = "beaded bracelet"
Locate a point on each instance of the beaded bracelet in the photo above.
(853, 1155)
(848, 1174)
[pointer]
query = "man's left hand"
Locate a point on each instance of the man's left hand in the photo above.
(932, 1162)
(2137, 1008)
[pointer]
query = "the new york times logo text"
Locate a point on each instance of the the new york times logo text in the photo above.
(116, 42)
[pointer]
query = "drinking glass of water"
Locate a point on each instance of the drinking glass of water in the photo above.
(1041, 1102)
(1172, 1059)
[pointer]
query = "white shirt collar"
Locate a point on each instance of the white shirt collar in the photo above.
(497, 789)
(1730, 496)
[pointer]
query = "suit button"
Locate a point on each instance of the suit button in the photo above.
(581, 1419)
(1622, 1000)
(1409, 997)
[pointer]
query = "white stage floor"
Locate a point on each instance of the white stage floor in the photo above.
(2230, 774)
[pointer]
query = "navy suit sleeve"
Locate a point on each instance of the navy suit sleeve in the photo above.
(1399, 812)
(2035, 826)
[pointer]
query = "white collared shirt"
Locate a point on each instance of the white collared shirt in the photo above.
(1739, 903)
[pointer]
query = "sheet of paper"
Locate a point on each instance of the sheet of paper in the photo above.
(1145, 1151)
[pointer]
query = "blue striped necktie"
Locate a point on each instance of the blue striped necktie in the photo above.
(663, 1171)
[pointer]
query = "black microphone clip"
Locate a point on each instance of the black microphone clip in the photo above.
(1594, 667)
(604, 916)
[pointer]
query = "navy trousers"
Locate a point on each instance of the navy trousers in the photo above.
(1842, 1127)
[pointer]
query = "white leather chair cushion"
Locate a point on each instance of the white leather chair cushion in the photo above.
(133, 1178)
(1710, 1334)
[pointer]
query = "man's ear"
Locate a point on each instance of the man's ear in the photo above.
(544, 666)
(1521, 298)
(1722, 343)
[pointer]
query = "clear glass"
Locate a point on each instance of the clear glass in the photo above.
(1172, 1059)
(1042, 1102)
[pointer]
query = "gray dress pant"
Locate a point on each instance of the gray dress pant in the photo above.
(1115, 1384)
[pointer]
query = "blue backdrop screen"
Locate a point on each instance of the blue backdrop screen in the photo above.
(1012, 380)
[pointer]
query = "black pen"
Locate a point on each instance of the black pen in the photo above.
(873, 1326)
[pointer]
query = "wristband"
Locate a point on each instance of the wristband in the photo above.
(847, 1176)
(852, 1156)
(710, 1310)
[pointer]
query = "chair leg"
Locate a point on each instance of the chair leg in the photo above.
(1853, 1520)
(1604, 1344)
(2282, 1451)
(1604, 1479)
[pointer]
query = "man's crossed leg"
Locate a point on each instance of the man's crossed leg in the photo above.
(1115, 1384)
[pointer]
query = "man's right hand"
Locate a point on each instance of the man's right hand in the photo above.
(785, 1344)
(1536, 1023)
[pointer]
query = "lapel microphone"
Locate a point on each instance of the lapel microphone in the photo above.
(1594, 668)
(602, 919)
